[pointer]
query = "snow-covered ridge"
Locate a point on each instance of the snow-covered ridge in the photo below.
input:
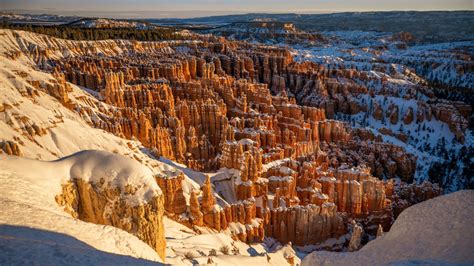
(28, 195)
(93, 166)
(99, 166)
(42, 47)
(109, 23)
(436, 231)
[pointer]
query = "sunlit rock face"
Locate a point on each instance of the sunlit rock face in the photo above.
(89, 202)
(10, 148)
(175, 203)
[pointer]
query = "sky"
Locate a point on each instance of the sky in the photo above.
(189, 8)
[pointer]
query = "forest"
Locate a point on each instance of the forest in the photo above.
(93, 34)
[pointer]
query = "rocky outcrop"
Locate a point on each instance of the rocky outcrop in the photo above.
(208, 200)
(175, 202)
(332, 131)
(10, 148)
(408, 117)
(453, 116)
(208, 213)
(304, 225)
(404, 195)
(116, 201)
(195, 210)
(379, 231)
(380, 158)
(92, 203)
(356, 237)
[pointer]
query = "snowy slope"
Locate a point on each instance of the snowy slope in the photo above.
(29, 215)
(421, 140)
(434, 62)
(437, 231)
(411, 70)
(21, 245)
(67, 131)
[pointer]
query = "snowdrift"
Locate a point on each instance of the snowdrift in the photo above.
(435, 231)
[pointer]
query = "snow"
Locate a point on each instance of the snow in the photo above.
(406, 70)
(93, 167)
(119, 171)
(224, 183)
(436, 231)
(280, 178)
(276, 163)
(246, 142)
(21, 245)
(286, 170)
(31, 220)
(421, 135)
(181, 240)
(361, 49)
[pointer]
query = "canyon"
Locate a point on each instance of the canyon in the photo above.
(264, 145)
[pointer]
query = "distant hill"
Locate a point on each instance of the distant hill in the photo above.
(428, 26)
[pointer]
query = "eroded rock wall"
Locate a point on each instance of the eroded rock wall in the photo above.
(102, 204)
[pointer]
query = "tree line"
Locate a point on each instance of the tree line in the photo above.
(93, 34)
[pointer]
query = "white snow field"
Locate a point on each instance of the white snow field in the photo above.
(438, 231)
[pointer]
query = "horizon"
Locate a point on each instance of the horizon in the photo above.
(168, 14)
(149, 9)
